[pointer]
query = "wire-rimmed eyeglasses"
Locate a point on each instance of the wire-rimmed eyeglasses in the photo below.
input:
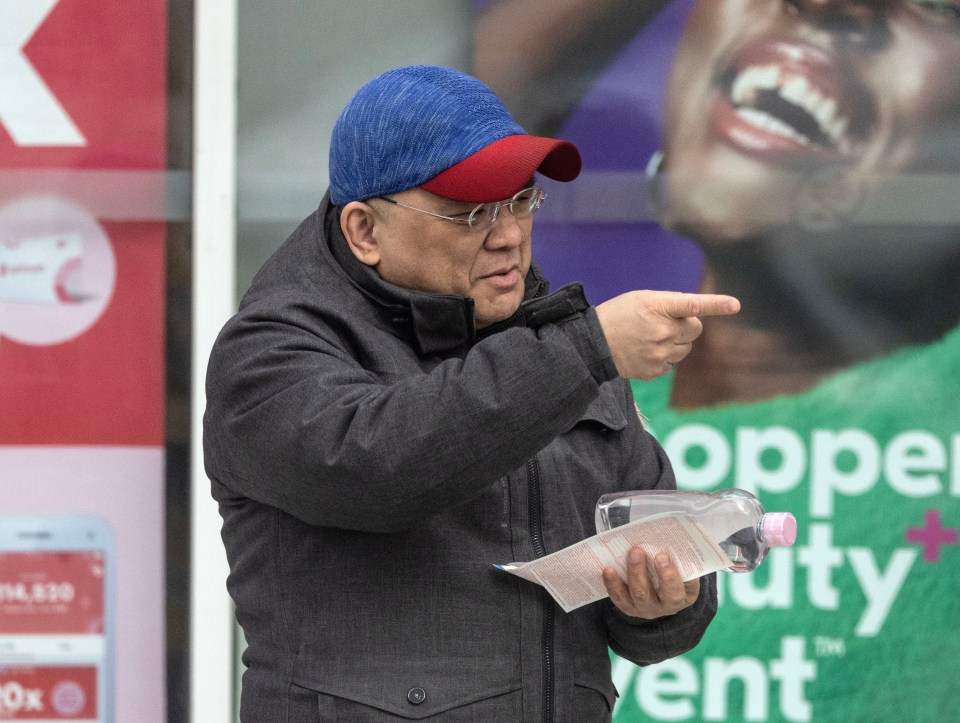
(522, 204)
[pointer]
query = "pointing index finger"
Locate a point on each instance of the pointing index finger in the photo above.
(683, 306)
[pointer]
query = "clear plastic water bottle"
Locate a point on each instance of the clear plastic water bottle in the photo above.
(734, 518)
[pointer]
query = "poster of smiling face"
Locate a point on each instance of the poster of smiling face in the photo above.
(804, 157)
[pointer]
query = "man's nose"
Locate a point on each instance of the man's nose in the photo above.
(506, 230)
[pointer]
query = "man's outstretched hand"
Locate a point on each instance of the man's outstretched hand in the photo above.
(650, 331)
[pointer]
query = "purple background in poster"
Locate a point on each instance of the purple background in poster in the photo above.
(599, 229)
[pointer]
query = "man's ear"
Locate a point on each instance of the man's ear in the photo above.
(357, 221)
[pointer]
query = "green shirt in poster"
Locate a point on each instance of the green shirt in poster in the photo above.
(858, 620)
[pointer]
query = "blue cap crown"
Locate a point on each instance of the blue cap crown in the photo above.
(408, 125)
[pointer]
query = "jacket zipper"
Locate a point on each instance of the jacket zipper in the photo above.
(539, 550)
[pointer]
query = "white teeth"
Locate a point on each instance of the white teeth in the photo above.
(826, 111)
(798, 92)
(795, 89)
(753, 79)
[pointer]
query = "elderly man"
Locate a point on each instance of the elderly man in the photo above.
(401, 402)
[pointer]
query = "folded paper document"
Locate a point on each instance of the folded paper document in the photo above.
(574, 575)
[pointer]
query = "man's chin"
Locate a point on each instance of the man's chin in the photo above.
(487, 314)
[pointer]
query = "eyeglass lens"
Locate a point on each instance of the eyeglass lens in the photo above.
(521, 205)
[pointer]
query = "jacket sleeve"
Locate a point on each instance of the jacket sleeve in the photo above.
(294, 421)
(645, 642)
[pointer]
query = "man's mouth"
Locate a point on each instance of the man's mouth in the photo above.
(503, 277)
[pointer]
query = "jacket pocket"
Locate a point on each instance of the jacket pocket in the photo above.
(417, 704)
(591, 704)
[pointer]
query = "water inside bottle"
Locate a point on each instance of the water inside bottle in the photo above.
(615, 514)
(744, 549)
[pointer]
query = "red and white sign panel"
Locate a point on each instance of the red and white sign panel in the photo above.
(82, 88)
(83, 84)
(49, 693)
(83, 118)
(52, 592)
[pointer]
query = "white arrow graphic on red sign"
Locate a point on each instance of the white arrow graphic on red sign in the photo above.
(31, 113)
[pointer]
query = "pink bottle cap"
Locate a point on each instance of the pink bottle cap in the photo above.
(779, 529)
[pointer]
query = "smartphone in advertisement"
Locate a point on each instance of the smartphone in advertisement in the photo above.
(57, 602)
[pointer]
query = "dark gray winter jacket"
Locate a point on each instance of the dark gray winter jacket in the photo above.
(374, 456)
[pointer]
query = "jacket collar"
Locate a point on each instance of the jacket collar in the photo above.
(434, 323)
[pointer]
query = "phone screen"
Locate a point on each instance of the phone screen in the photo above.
(54, 626)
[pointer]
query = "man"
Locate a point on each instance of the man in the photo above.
(400, 403)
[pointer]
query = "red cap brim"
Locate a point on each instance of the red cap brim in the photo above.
(504, 167)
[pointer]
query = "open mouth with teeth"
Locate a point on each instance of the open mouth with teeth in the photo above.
(770, 98)
(790, 98)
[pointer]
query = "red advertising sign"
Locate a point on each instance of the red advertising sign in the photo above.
(48, 693)
(82, 98)
(51, 592)
(86, 82)
(83, 123)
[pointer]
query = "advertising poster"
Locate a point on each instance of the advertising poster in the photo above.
(804, 157)
(82, 154)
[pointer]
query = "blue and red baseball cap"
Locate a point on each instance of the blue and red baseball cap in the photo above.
(442, 130)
